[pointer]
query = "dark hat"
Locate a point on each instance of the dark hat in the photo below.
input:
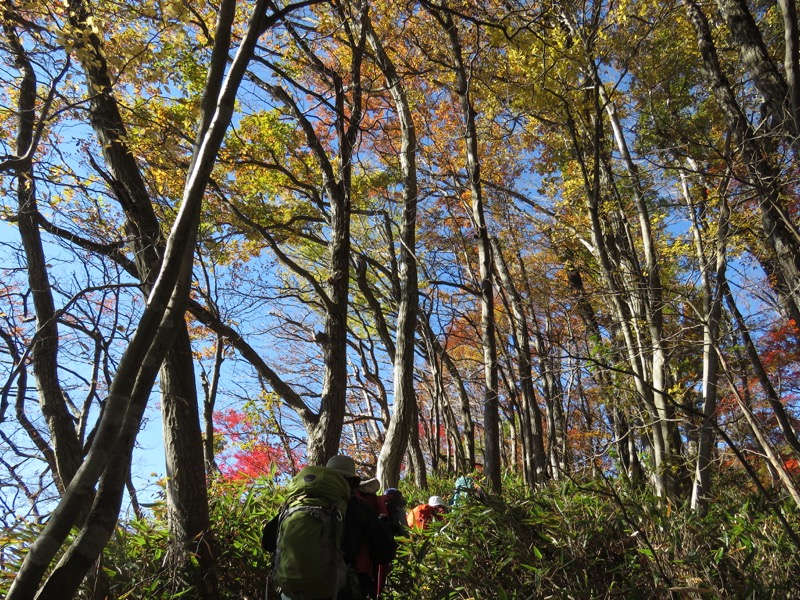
(344, 465)
(395, 497)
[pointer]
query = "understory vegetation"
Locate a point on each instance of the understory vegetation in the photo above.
(568, 540)
(554, 242)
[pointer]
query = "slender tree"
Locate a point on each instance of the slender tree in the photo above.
(491, 417)
(121, 419)
(402, 421)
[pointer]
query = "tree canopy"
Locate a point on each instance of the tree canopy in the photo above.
(554, 239)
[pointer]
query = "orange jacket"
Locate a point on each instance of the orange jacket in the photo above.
(420, 516)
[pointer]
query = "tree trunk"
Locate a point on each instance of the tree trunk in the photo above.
(396, 440)
(712, 312)
(624, 437)
(780, 234)
(653, 304)
(530, 415)
(635, 289)
(451, 425)
(66, 451)
(467, 424)
(491, 411)
(783, 419)
(324, 431)
(186, 491)
(791, 61)
(415, 456)
(142, 358)
(770, 455)
(618, 267)
(83, 553)
(187, 496)
(553, 397)
(210, 397)
(766, 76)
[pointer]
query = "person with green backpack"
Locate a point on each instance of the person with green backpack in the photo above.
(305, 536)
(318, 533)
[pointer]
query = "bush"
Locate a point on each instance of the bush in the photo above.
(571, 541)
(598, 540)
(135, 560)
(477, 551)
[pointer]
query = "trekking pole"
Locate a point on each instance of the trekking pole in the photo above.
(267, 588)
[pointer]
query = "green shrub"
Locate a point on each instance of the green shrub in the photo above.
(595, 540)
(14, 543)
(135, 560)
(477, 551)
(589, 541)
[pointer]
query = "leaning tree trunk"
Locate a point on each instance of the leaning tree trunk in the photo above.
(635, 289)
(152, 339)
(83, 553)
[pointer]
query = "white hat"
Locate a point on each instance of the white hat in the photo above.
(370, 486)
(436, 501)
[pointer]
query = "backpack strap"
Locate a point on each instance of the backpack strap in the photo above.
(337, 554)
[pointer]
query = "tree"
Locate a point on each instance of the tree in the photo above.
(112, 444)
(65, 454)
(403, 420)
(486, 285)
(530, 417)
(557, 235)
(187, 501)
(334, 167)
(780, 255)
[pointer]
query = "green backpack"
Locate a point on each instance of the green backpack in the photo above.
(308, 561)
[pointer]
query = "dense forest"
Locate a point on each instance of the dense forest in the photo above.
(556, 240)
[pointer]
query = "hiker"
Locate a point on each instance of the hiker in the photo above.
(307, 535)
(364, 544)
(319, 532)
(424, 514)
(466, 490)
(373, 567)
(396, 507)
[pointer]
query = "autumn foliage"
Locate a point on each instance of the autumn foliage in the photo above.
(246, 452)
